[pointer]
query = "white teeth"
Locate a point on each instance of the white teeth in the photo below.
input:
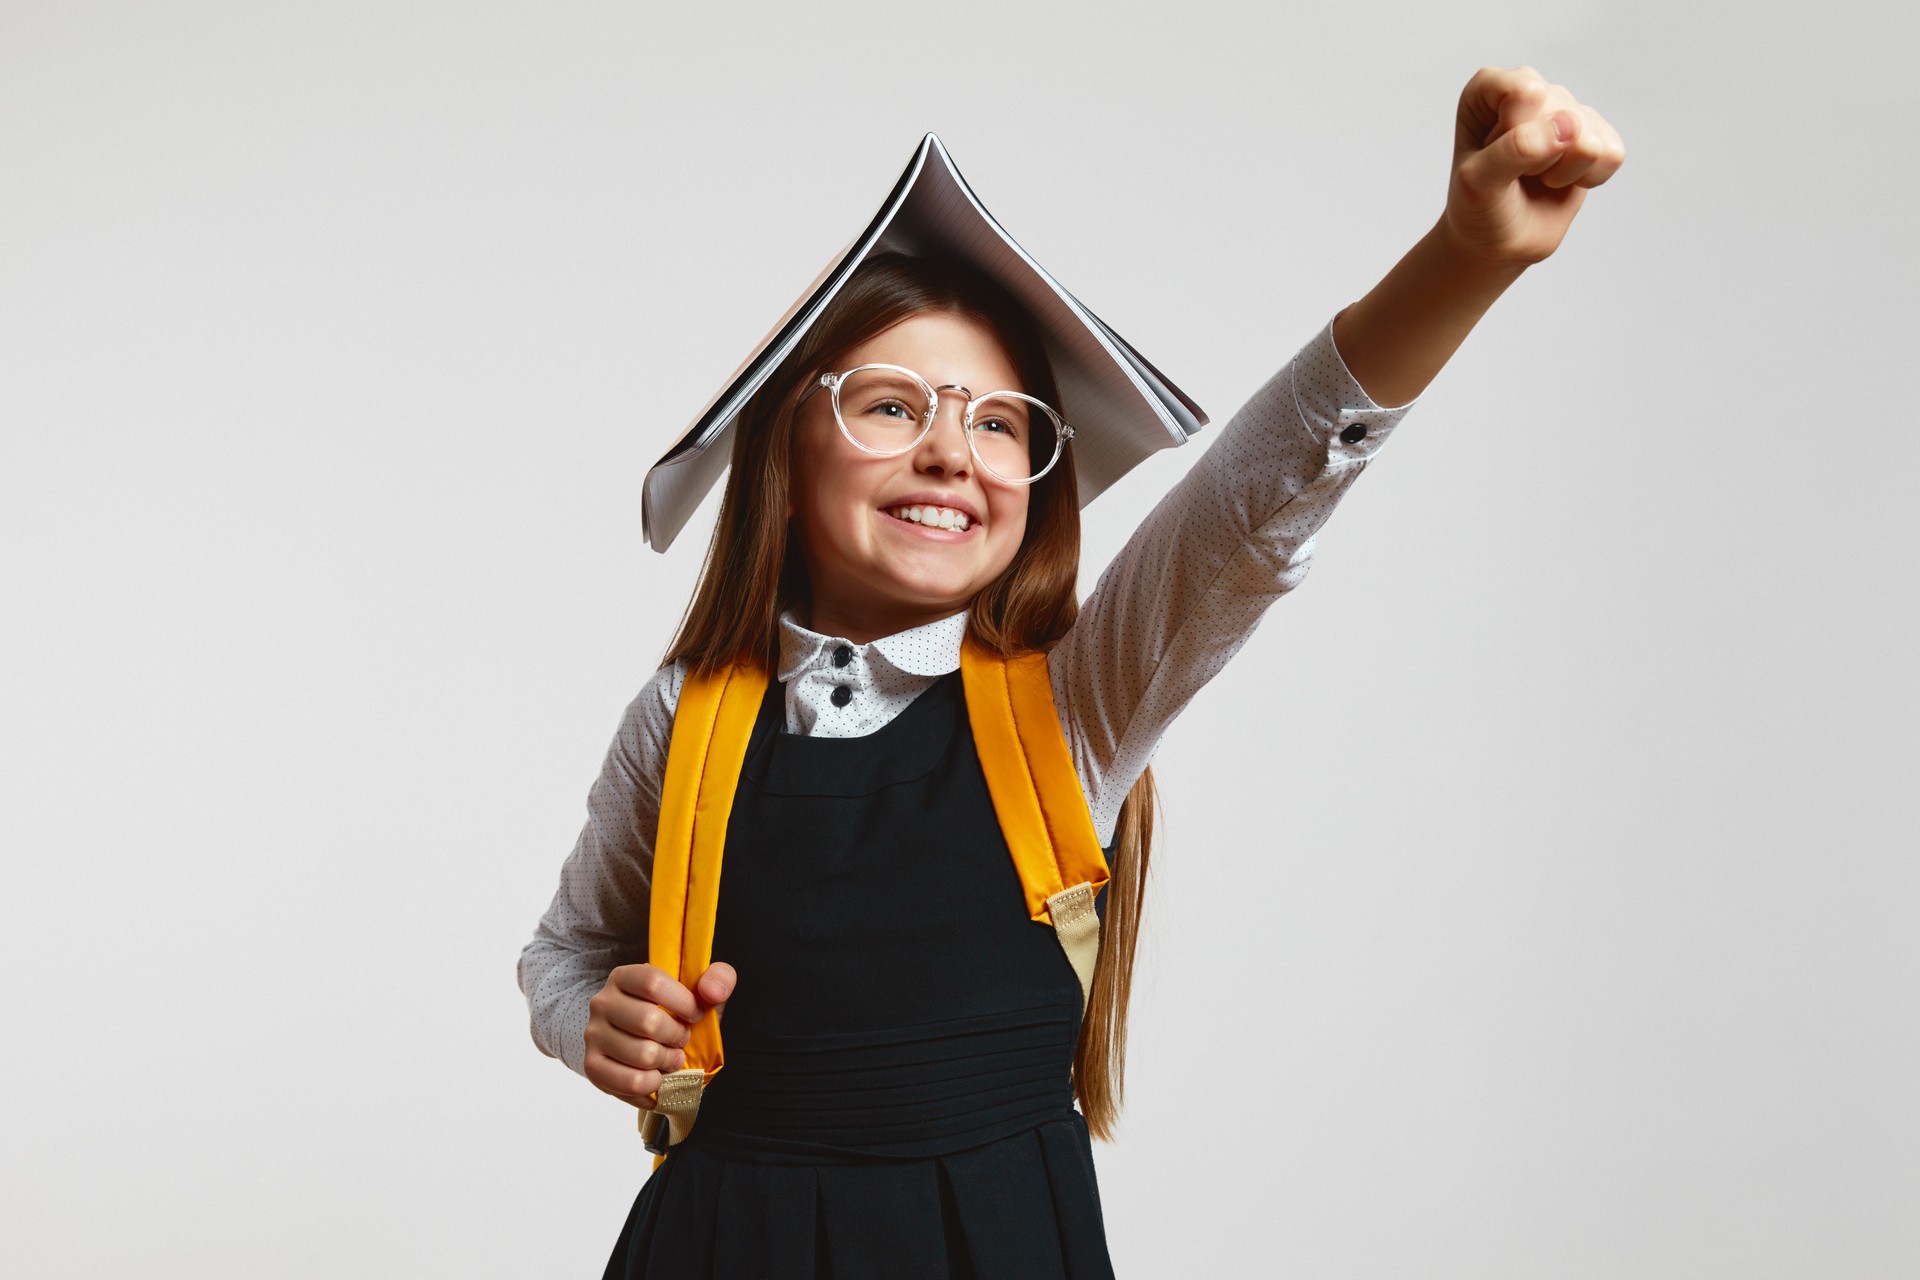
(935, 517)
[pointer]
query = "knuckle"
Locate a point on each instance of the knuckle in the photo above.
(675, 1033)
(1525, 84)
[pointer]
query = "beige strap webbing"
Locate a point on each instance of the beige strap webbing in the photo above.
(1077, 925)
(679, 1102)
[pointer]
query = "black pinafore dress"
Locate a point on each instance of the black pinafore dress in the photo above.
(897, 1098)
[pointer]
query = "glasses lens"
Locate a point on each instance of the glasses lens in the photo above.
(883, 409)
(1015, 438)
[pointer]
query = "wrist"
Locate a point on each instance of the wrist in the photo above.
(1471, 267)
(1396, 338)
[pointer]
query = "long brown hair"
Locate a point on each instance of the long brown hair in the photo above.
(754, 571)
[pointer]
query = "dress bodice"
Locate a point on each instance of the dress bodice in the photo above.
(895, 996)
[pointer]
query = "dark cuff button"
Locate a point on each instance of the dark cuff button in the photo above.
(1353, 434)
(842, 695)
(842, 656)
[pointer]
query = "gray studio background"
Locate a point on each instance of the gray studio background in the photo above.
(1538, 889)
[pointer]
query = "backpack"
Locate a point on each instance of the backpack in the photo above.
(1030, 776)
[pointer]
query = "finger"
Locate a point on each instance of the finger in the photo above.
(1496, 99)
(633, 1016)
(651, 983)
(1583, 155)
(1612, 150)
(1532, 148)
(649, 1022)
(1570, 168)
(715, 986)
(638, 1052)
(623, 1082)
(1525, 99)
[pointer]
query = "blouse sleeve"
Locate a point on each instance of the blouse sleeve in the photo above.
(598, 919)
(1189, 587)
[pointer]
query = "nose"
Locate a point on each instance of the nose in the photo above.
(944, 451)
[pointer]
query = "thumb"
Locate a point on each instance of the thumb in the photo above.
(1529, 148)
(715, 987)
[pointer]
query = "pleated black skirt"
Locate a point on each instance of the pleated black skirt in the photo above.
(1023, 1206)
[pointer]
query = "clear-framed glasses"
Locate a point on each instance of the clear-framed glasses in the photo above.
(886, 410)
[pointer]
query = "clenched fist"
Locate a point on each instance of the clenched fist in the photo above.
(638, 1023)
(1524, 153)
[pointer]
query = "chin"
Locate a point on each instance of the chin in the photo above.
(933, 591)
(928, 581)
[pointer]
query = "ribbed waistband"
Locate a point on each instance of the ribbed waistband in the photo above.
(909, 1092)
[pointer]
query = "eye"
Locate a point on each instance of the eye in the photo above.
(998, 426)
(893, 409)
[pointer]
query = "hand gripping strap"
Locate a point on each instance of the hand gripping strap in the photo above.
(1036, 795)
(711, 726)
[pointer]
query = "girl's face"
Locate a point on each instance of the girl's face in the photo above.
(874, 572)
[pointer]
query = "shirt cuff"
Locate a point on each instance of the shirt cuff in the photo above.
(1334, 408)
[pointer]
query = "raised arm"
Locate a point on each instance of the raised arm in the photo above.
(1237, 532)
(1524, 154)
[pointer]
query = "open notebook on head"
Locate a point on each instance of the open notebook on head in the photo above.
(1122, 408)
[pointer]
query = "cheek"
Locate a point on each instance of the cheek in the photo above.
(1009, 527)
(808, 511)
(834, 496)
(819, 517)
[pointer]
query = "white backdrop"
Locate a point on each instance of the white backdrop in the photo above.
(1539, 891)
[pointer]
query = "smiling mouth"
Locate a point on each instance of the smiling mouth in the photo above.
(932, 517)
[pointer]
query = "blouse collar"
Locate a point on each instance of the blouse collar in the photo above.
(931, 649)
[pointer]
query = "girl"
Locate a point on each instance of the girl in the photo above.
(903, 1048)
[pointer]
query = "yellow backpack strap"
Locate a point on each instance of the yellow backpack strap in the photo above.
(1036, 794)
(711, 726)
